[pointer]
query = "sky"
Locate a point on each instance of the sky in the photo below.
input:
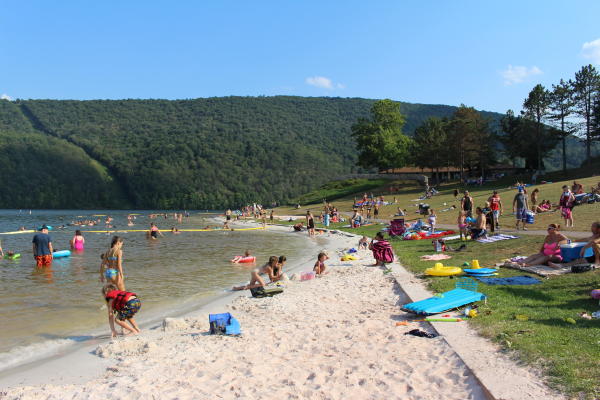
(483, 54)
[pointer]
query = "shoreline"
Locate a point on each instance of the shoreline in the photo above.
(65, 362)
(368, 328)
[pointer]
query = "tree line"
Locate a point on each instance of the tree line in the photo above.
(473, 141)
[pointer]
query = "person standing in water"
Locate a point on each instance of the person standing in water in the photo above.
(78, 241)
(154, 231)
(227, 219)
(112, 263)
(42, 248)
(310, 223)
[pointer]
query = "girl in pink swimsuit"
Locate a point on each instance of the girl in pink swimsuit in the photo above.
(78, 241)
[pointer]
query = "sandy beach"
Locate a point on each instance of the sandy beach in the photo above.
(333, 337)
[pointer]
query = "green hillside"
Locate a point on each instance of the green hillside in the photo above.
(201, 153)
(39, 171)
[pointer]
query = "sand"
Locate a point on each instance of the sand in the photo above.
(333, 337)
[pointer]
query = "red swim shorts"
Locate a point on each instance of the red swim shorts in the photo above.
(43, 261)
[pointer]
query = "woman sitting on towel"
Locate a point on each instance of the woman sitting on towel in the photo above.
(257, 275)
(550, 250)
(382, 250)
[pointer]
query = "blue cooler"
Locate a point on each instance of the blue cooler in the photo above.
(570, 252)
(529, 217)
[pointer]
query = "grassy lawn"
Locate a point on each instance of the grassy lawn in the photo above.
(568, 353)
(410, 192)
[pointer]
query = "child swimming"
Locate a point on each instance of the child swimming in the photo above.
(125, 305)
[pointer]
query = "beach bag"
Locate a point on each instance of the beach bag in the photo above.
(529, 217)
(577, 269)
(223, 324)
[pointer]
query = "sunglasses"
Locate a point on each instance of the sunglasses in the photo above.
(551, 228)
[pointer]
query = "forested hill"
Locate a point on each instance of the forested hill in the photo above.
(202, 153)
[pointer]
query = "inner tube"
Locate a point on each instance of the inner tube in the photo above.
(240, 259)
(13, 257)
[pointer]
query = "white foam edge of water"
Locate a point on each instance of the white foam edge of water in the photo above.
(33, 353)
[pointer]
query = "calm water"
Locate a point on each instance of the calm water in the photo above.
(44, 307)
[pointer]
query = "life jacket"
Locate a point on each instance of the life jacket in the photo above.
(119, 298)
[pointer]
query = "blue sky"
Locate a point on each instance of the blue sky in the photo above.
(483, 54)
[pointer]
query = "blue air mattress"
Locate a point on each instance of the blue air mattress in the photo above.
(445, 301)
(480, 271)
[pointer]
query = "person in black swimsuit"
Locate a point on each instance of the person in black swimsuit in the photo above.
(310, 223)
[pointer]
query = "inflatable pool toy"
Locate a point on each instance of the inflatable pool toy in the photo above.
(449, 300)
(348, 257)
(595, 294)
(61, 253)
(480, 271)
(242, 259)
(439, 270)
(12, 256)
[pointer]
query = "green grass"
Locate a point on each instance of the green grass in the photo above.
(338, 189)
(569, 354)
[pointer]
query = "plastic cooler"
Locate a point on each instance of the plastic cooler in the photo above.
(570, 252)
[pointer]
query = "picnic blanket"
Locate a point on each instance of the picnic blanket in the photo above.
(496, 238)
(513, 280)
(435, 257)
(541, 270)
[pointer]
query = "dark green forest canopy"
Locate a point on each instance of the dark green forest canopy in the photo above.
(201, 153)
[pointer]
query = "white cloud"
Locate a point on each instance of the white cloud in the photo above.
(4, 96)
(518, 74)
(323, 83)
(591, 50)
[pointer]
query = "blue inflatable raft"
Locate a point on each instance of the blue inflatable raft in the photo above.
(444, 302)
(61, 253)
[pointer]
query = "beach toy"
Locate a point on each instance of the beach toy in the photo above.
(439, 270)
(242, 259)
(466, 264)
(481, 271)
(452, 299)
(475, 264)
(571, 251)
(223, 324)
(595, 294)
(352, 250)
(307, 276)
(348, 257)
(12, 256)
(61, 253)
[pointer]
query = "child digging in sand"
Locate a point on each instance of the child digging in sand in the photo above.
(319, 267)
(125, 305)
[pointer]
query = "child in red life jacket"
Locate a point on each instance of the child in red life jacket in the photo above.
(125, 305)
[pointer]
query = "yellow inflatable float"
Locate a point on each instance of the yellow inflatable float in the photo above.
(348, 257)
(439, 270)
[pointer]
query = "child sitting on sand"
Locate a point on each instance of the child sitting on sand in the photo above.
(278, 269)
(319, 267)
(125, 305)
(363, 243)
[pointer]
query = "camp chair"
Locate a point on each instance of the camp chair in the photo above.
(397, 227)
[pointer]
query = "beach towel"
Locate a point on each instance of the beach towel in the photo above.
(541, 270)
(513, 280)
(495, 238)
(382, 251)
(435, 257)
